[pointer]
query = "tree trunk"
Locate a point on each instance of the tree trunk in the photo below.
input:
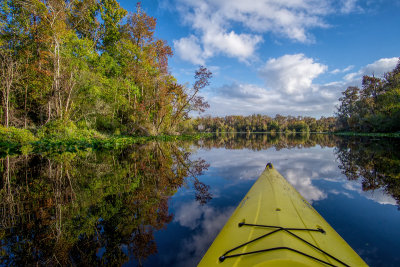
(7, 100)
(25, 106)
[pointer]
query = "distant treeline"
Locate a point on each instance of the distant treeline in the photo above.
(373, 108)
(263, 123)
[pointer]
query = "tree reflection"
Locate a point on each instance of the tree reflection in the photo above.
(266, 141)
(376, 162)
(91, 208)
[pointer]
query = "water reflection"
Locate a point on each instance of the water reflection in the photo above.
(265, 141)
(208, 221)
(86, 208)
(375, 162)
(162, 204)
(366, 218)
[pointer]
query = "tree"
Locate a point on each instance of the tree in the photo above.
(347, 111)
(9, 76)
(83, 19)
(111, 14)
(374, 108)
(191, 101)
(62, 63)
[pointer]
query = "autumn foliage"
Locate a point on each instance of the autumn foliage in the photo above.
(92, 63)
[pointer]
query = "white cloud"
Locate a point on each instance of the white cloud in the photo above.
(336, 71)
(188, 48)
(349, 6)
(291, 74)
(377, 68)
(241, 46)
(348, 68)
(290, 88)
(217, 23)
(380, 67)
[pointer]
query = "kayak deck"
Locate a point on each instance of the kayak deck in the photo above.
(275, 226)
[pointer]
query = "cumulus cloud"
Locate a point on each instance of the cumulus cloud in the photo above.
(377, 68)
(217, 23)
(290, 88)
(189, 49)
(214, 35)
(291, 74)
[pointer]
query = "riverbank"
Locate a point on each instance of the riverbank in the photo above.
(22, 141)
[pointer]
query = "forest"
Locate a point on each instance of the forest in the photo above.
(375, 107)
(86, 67)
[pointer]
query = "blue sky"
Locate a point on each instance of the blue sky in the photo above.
(288, 57)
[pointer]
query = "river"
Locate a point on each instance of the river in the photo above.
(163, 203)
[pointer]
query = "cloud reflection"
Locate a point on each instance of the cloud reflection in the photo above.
(207, 221)
(301, 167)
(377, 195)
(304, 186)
(295, 165)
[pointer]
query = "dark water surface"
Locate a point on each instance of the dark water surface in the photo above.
(162, 204)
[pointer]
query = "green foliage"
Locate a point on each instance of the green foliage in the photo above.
(65, 130)
(15, 135)
(70, 66)
(299, 126)
(373, 108)
(262, 123)
(111, 13)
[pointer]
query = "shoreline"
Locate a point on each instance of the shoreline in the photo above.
(48, 145)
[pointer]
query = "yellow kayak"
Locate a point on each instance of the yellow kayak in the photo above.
(275, 226)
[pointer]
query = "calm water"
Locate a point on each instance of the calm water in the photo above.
(162, 204)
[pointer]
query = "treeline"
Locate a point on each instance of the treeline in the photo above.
(373, 108)
(263, 123)
(92, 64)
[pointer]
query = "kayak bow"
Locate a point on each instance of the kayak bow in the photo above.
(275, 226)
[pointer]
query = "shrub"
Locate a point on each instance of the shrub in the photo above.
(65, 130)
(15, 135)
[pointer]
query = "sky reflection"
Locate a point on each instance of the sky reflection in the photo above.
(299, 166)
(208, 221)
(355, 214)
